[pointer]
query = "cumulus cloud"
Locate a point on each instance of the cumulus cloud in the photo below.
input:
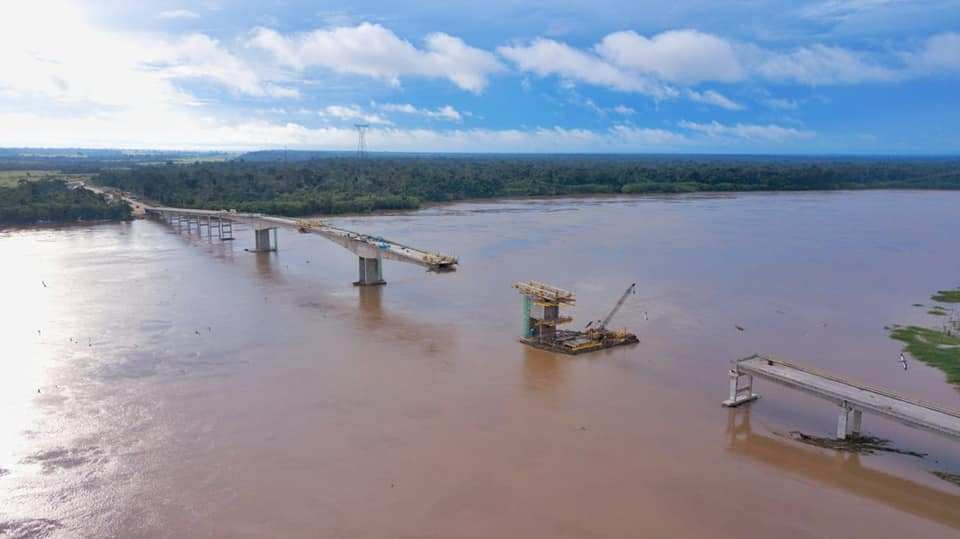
(623, 110)
(446, 112)
(751, 132)
(680, 56)
(711, 97)
(629, 62)
(199, 56)
(546, 57)
(374, 51)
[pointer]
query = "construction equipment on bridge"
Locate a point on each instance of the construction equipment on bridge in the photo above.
(541, 316)
(305, 225)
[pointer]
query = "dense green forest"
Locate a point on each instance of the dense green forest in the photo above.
(54, 201)
(339, 184)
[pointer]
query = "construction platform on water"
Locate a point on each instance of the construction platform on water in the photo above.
(541, 316)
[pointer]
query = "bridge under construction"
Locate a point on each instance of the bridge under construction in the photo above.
(371, 250)
(853, 398)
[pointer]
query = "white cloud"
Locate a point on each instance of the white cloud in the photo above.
(199, 56)
(352, 113)
(285, 92)
(546, 57)
(374, 51)
(629, 62)
(679, 56)
(642, 136)
(624, 110)
(179, 130)
(819, 65)
(178, 14)
(751, 132)
(939, 54)
(62, 59)
(711, 97)
(445, 112)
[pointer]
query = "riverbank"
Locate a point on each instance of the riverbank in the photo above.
(53, 201)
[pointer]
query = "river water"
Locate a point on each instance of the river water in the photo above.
(154, 384)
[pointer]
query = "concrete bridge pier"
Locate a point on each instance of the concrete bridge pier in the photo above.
(371, 272)
(847, 425)
(741, 389)
(264, 241)
(226, 230)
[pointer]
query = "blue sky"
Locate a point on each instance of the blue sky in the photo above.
(828, 76)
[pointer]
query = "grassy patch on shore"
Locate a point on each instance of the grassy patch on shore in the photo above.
(937, 311)
(10, 178)
(933, 347)
(947, 296)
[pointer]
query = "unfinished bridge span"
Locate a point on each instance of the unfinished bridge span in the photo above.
(371, 250)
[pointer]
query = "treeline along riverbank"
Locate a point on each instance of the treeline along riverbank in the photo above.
(55, 201)
(334, 185)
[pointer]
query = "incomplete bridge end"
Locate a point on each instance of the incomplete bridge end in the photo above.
(440, 263)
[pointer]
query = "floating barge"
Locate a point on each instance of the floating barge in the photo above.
(541, 318)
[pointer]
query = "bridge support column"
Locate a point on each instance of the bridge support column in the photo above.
(262, 240)
(741, 389)
(857, 422)
(849, 422)
(226, 230)
(370, 272)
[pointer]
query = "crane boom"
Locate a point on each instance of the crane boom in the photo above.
(623, 298)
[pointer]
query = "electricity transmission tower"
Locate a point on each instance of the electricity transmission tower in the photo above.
(361, 139)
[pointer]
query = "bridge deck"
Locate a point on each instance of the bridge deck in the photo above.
(845, 392)
(363, 245)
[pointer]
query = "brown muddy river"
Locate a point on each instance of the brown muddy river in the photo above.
(159, 385)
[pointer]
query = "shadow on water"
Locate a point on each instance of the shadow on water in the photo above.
(841, 470)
